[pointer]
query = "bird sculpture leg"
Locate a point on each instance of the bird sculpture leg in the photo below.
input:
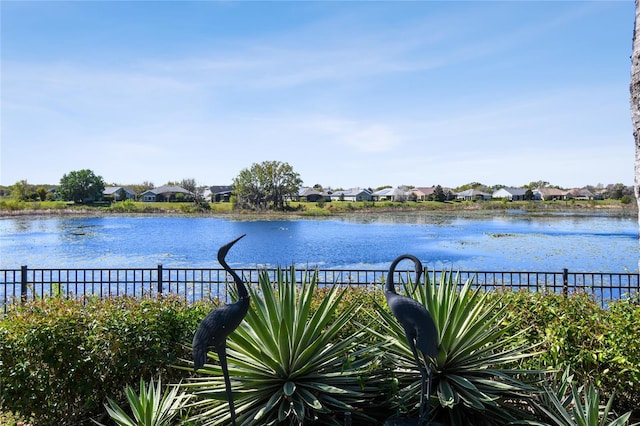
(222, 355)
(427, 420)
(423, 384)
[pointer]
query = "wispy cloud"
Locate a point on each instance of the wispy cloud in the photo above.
(430, 93)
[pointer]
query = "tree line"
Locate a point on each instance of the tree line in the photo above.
(262, 186)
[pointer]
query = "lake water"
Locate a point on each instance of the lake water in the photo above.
(510, 241)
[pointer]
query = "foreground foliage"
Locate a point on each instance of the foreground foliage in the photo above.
(61, 359)
(149, 407)
(563, 403)
(286, 361)
(475, 376)
(599, 345)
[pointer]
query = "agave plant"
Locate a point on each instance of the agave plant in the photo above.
(474, 379)
(150, 407)
(285, 360)
(564, 404)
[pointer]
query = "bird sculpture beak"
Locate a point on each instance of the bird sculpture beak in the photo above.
(222, 252)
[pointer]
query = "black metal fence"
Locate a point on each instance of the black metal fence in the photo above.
(193, 284)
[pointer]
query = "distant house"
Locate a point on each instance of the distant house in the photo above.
(582, 194)
(118, 193)
(472, 194)
(547, 194)
(391, 194)
(423, 193)
(312, 196)
(164, 193)
(353, 194)
(427, 193)
(511, 194)
(219, 193)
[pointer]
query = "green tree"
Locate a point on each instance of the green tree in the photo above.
(380, 188)
(139, 188)
(528, 195)
(474, 185)
(81, 186)
(42, 193)
(266, 185)
(438, 194)
(617, 191)
(21, 190)
(189, 184)
(536, 184)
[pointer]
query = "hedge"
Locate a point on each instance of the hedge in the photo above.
(60, 359)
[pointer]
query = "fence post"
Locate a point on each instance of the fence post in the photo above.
(160, 284)
(23, 283)
(565, 281)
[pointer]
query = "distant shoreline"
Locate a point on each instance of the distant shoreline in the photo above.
(343, 209)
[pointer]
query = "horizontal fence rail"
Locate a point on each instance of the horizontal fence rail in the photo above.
(193, 284)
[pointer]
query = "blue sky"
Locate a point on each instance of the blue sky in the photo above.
(348, 93)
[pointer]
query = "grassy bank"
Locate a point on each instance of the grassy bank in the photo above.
(305, 209)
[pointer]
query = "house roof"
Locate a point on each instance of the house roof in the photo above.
(391, 192)
(581, 192)
(110, 190)
(305, 192)
(218, 189)
(425, 190)
(384, 192)
(473, 193)
(551, 191)
(429, 190)
(168, 189)
(351, 192)
(513, 191)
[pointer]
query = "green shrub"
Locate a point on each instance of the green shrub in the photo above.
(60, 359)
(620, 370)
(124, 206)
(12, 205)
(564, 403)
(150, 406)
(599, 345)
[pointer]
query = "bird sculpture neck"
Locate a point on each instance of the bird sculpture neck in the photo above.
(390, 285)
(240, 287)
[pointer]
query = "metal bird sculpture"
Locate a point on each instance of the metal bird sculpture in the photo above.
(219, 324)
(419, 329)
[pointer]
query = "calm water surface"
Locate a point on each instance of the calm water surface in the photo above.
(507, 241)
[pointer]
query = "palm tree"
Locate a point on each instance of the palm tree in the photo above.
(635, 103)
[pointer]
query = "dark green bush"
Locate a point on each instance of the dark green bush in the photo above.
(621, 360)
(599, 345)
(60, 359)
